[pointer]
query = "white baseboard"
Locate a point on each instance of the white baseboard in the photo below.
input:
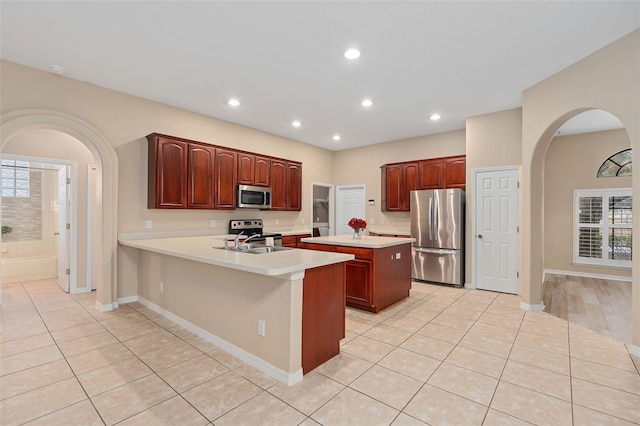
(262, 365)
(469, 286)
(129, 299)
(586, 275)
(105, 308)
(532, 308)
(634, 350)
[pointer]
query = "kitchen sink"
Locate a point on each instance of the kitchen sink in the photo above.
(255, 249)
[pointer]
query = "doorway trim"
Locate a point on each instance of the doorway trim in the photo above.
(330, 208)
(107, 161)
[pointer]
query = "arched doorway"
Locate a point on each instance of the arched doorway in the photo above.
(105, 243)
(587, 226)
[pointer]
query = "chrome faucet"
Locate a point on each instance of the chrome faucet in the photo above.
(246, 240)
(236, 240)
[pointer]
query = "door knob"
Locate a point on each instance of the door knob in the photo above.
(57, 233)
(479, 236)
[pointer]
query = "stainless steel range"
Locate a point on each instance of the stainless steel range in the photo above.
(253, 228)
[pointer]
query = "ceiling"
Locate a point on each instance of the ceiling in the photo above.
(284, 60)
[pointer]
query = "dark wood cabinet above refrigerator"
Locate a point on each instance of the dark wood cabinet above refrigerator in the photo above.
(399, 179)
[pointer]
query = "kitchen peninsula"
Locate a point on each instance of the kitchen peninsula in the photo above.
(380, 273)
(282, 312)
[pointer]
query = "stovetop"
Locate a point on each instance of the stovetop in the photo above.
(250, 227)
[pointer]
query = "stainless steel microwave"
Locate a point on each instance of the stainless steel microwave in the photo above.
(254, 197)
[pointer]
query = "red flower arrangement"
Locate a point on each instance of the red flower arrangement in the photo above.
(357, 224)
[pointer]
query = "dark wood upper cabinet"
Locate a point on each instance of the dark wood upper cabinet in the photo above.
(201, 177)
(262, 175)
(399, 179)
(246, 168)
(430, 174)
(167, 173)
(226, 179)
(278, 185)
(185, 174)
(455, 175)
(294, 186)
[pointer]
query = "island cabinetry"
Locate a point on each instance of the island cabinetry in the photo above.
(293, 241)
(286, 185)
(226, 183)
(399, 179)
(323, 314)
(377, 277)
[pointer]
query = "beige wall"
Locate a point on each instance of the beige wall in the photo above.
(572, 163)
(124, 120)
(493, 140)
(228, 303)
(52, 144)
(362, 166)
(609, 80)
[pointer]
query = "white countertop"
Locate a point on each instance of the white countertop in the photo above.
(201, 249)
(366, 241)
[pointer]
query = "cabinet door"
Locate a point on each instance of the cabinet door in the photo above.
(392, 185)
(167, 184)
(262, 172)
(246, 170)
(359, 282)
(289, 241)
(455, 172)
(409, 183)
(201, 177)
(278, 185)
(294, 186)
(430, 174)
(226, 175)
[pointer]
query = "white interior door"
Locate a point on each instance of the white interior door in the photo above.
(495, 239)
(63, 228)
(351, 203)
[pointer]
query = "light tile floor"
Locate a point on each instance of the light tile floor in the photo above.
(442, 356)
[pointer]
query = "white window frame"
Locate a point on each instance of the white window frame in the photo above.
(14, 167)
(604, 226)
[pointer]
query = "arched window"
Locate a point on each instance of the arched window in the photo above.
(619, 164)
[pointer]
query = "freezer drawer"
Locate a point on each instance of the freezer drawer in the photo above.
(437, 265)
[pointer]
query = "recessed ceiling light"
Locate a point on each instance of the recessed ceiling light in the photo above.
(234, 102)
(296, 123)
(366, 102)
(435, 117)
(352, 54)
(56, 69)
(336, 137)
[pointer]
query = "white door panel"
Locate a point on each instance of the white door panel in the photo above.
(63, 232)
(496, 230)
(351, 203)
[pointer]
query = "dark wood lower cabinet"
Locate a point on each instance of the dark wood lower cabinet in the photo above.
(323, 314)
(377, 277)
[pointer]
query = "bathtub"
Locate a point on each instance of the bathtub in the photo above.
(28, 268)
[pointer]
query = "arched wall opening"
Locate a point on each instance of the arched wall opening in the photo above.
(105, 243)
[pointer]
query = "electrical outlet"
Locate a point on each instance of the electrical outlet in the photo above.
(277, 221)
(372, 221)
(302, 220)
(148, 224)
(261, 328)
(161, 287)
(213, 223)
(397, 255)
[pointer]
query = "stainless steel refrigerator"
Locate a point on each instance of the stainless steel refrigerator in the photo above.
(437, 224)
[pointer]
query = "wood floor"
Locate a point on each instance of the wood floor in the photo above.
(600, 305)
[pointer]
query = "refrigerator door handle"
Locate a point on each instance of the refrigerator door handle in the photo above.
(430, 218)
(434, 251)
(436, 225)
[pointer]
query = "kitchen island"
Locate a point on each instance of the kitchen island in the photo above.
(282, 312)
(380, 273)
